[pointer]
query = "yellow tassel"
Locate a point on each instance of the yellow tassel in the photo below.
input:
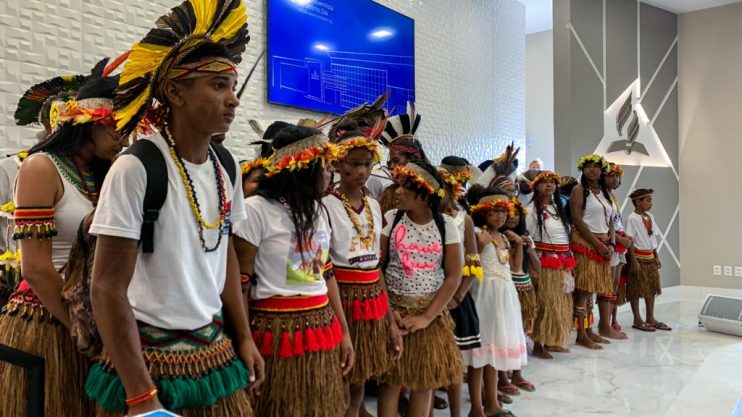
(8, 207)
(478, 272)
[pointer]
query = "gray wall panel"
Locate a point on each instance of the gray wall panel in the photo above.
(661, 85)
(666, 125)
(621, 44)
(658, 28)
(587, 19)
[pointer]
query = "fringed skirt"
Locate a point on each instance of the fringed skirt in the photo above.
(466, 322)
(299, 338)
(554, 295)
(644, 283)
(366, 305)
(430, 359)
(529, 305)
(26, 325)
(592, 271)
(197, 373)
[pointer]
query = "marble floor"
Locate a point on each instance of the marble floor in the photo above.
(688, 372)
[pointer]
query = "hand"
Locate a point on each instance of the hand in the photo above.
(411, 324)
(250, 356)
(659, 263)
(151, 405)
(347, 354)
(396, 337)
(635, 266)
(513, 237)
(603, 250)
(484, 238)
(527, 241)
(452, 304)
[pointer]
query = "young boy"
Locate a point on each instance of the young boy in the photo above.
(644, 280)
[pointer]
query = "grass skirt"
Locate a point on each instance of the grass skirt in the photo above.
(554, 320)
(644, 283)
(196, 373)
(592, 271)
(430, 359)
(529, 305)
(366, 306)
(27, 326)
(300, 345)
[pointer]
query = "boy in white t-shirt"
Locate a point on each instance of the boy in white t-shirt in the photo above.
(644, 275)
(156, 311)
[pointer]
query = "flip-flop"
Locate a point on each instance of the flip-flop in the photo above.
(502, 413)
(644, 327)
(504, 399)
(509, 389)
(525, 385)
(662, 326)
(439, 403)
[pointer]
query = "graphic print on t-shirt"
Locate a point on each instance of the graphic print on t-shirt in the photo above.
(414, 255)
(307, 266)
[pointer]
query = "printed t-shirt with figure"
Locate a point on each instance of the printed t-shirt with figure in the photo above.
(637, 230)
(347, 249)
(179, 285)
(282, 266)
(416, 254)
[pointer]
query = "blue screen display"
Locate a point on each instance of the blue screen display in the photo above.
(333, 55)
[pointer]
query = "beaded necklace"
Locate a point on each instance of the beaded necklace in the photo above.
(647, 223)
(366, 238)
(83, 181)
(222, 223)
(502, 259)
(605, 209)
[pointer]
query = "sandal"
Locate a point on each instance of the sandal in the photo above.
(617, 327)
(525, 385)
(439, 403)
(645, 327)
(509, 389)
(502, 413)
(504, 399)
(661, 326)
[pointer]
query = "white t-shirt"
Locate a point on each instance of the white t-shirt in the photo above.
(346, 248)
(598, 212)
(617, 219)
(416, 254)
(554, 232)
(636, 230)
(280, 265)
(178, 286)
(378, 182)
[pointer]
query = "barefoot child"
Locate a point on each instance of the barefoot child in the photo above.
(644, 281)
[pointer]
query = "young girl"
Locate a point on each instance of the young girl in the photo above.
(592, 237)
(356, 221)
(618, 297)
(461, 306)
(529, 306)
(644, 281)
(503, 340)
(56, 187)
(548, 226)
(424, 264)
(296, 311)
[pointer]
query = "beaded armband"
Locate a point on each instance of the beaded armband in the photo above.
(30, 221)
(473, 267)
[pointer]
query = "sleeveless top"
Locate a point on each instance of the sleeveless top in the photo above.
(598, 213)
(69, 212)
(460, 222)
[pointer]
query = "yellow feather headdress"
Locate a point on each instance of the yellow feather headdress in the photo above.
(188, 26)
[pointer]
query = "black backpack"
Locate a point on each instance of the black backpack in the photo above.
(440, 223)
(76, 289)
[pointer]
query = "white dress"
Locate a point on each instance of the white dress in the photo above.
(501, 325)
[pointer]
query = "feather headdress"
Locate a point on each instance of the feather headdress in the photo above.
(401, 126)
(37, 99)
(187, 27)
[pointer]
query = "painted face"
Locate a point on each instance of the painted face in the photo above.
(107, 142)
(396, 157)
(251, 181)
(211, 100)
(546, 187)
(356, 167)
(496, 218)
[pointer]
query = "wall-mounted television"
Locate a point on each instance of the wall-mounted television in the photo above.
(330, 56)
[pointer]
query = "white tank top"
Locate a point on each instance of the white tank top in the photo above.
(69, 212)
(460, 222)
(598, 213)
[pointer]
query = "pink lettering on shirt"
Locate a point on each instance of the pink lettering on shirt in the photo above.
(407, 250)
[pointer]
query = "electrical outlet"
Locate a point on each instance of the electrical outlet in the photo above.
(738, 271)
(727, 270)
(717, 270)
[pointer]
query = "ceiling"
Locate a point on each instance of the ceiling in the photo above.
(539, 16)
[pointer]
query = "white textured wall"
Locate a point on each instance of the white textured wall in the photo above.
(710, 99)
(540, 97)
(470, 64)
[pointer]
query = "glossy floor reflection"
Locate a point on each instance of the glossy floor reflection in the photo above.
(686, 372)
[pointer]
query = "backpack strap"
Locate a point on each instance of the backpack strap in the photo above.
(440, 222)
(156, 192)
(397, 218)
(225, 158)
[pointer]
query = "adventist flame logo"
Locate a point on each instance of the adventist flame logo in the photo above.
(628, 135)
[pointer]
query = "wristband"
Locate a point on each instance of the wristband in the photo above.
(142, 398)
